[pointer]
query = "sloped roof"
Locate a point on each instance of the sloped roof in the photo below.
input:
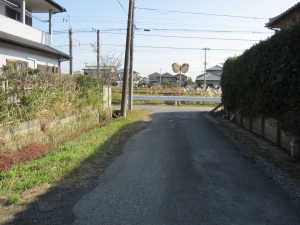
(216, 67)
(12, 39)
(40, 6)
(178, 74)
(154, 74)
(167, 75)
(209, 76)
(275, 21)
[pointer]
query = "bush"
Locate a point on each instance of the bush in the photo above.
(30, 94)
(264, 80)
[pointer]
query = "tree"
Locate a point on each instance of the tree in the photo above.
(165, 82)
(110, 64)
(189, 82)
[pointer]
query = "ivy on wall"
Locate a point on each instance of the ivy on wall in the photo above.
(265, 79)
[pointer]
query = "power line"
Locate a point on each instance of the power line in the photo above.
(85, 31)
(122, 7)
(198, 13)
(223, 39)
(213, 31)
(173, 36)
(158, 47)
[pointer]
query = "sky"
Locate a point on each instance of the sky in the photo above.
(179, 31)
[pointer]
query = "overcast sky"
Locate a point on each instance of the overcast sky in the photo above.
(179, 30)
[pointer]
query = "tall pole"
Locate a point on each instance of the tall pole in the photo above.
(126, 62)
(131, 61)
(50, 25)
(205, 66)
(98, 54)
(160, 77)
(71, 50)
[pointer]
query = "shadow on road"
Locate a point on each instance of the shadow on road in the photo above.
(55, 206)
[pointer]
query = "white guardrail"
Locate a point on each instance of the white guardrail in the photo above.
(177, 98)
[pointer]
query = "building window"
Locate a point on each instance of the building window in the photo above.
(13, 14)
(48, 69)
(16, 64)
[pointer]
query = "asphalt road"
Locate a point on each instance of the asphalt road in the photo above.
(182, 170)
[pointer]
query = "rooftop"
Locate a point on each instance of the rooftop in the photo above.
(276, 21)
(39, 6)
(216, 67)
(209, 76)
(12, 39)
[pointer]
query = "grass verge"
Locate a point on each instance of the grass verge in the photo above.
(70, 158)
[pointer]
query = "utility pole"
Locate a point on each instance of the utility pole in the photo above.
(71, 50)
(205, 66)
(126, 63)
(131, 72)
(98, 54)
(160, 77)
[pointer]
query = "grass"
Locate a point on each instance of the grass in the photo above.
(68, 159)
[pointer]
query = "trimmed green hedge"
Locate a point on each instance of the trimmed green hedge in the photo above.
(265, 79)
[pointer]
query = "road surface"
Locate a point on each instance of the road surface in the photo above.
(182, 170)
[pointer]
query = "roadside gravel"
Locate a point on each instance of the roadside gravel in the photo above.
(287, 182)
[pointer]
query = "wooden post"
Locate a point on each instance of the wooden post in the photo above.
(127, 59)
(262, 128)
(71, 50)
(241, 122)
(278, 132)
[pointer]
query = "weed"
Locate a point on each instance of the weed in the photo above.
(68, 159)
(12, 199)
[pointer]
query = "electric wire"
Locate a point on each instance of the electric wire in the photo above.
(199, 13)
(122, 7)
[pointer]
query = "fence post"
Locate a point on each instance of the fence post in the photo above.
(278, 132)
(262, 128)
(241, 122)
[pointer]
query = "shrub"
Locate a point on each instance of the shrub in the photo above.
(264, 80)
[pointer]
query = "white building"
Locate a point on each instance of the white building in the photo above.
(212, 78)
(22, 45)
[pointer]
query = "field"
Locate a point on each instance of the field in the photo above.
(159, 91)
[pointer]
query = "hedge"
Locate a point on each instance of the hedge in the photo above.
(264, 80)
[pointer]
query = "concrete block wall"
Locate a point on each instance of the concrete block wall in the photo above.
(268, 129)
(52, 130)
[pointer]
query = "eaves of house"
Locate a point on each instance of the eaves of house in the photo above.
(209, 76)
(280, 20)
(15, 40)
(38, 6)
(215, 68)
(167, 75)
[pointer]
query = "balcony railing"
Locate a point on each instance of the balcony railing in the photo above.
(19, 29)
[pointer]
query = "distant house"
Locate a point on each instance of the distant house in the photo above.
(78, 72)
(154, 78)
(213, 76)
(120, 74)
(108, 74)
(23, 46)
(285, 17)
(158, 78)
(92, 70)
(183, 78)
